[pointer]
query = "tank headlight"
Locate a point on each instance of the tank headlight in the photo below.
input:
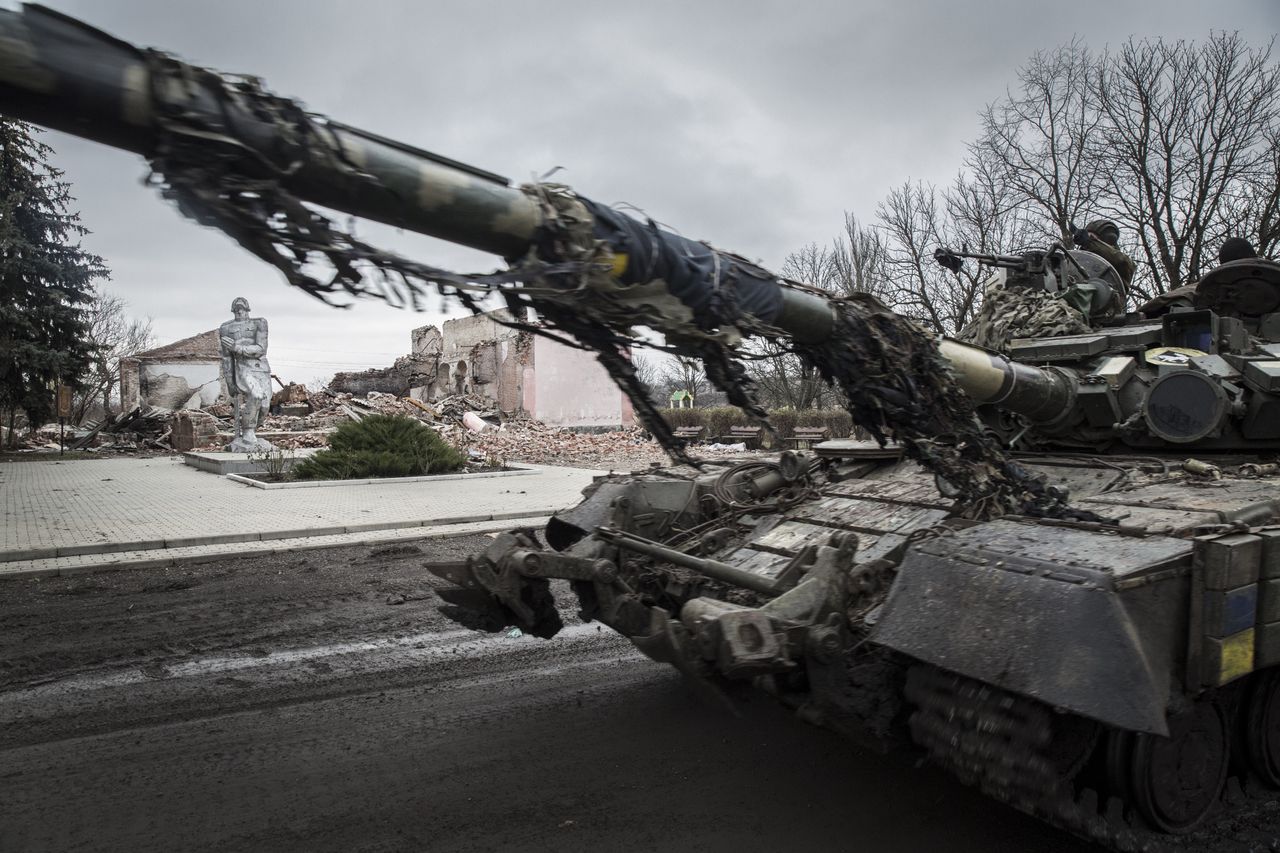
(1185, 406)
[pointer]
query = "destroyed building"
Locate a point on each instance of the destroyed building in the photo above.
(522, 373)
(405, 373)
(185, 374)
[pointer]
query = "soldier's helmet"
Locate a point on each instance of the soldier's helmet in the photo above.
(1236, 249)
(1107, 231)
(239, 302)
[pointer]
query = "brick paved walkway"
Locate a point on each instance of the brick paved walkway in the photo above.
(190, 554)
(72, 508)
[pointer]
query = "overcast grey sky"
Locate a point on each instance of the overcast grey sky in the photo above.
(750, 124)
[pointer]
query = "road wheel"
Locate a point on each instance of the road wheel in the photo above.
(1118, 763)
(1177, 780)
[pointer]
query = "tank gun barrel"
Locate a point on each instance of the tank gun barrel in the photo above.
(60, 73)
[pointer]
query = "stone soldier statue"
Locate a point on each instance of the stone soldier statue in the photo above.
(247, 375)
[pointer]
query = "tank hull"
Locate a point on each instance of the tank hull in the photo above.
(1074, 651)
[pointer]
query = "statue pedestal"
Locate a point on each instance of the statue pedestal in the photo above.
(241, 445)
(220, 462)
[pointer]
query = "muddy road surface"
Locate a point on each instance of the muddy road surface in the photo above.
(320, 702)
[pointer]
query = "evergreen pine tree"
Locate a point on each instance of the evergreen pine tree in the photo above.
(46, 279)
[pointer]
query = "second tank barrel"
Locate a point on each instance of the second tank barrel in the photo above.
(1039, 394)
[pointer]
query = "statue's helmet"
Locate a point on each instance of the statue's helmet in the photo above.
(238, 303)
(1107, 231)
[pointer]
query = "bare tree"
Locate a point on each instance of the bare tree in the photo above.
(650, 374)
(1188, 143)
(686, 374)
(986, 214)
(784, 381)
(914, 222)
(1178, 142)
(858, 258)
(1259, 205)
(114, 335)
(812, 265)
(1039, 140)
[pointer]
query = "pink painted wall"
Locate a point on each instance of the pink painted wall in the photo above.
(570, 388)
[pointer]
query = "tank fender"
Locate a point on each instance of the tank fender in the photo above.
(1060, 634)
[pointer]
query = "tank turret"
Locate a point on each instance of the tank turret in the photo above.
(1199, 377)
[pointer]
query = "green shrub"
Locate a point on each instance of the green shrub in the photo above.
(381, 446)
(718, 419)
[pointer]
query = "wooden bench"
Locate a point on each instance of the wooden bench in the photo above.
(803, 438)
(691, 433)
(748, 435)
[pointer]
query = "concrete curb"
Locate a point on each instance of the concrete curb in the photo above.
(156, 558)
(218, 462)
(519, 471)
(22, 556)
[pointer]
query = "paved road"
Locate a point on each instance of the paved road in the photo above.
(577, 745)
(77, 512)
(285, 705)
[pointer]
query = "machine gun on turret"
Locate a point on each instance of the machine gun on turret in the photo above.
(1085, 281)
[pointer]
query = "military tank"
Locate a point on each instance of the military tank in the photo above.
(1116, 675)
(1054, 567)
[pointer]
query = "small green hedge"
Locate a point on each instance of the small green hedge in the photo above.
(718, 419)
(381, 446)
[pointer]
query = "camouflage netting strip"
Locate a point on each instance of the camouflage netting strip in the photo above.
(897, 383)
(1017, 312)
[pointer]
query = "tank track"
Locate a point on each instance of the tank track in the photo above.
(1000, 742)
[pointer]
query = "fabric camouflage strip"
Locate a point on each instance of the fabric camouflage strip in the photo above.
(900, 386)
(1007, 313)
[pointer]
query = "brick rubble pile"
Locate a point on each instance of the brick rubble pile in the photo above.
(489, 440)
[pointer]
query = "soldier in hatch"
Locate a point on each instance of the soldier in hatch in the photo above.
(1020, 313)
(1102, 237)
(1007, 313)
(1233, 249)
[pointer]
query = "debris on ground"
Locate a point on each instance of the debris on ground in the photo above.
(474, 425)
(304, 419)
